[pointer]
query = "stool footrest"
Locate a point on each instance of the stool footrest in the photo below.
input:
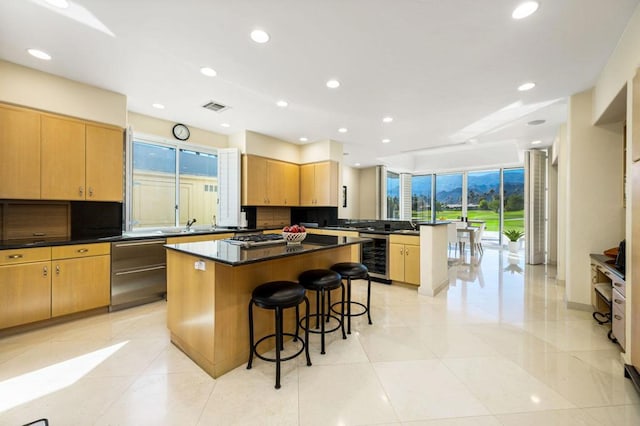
(357, 314)
(296, 338)
(317, 330)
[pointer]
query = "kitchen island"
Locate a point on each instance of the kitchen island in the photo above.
(209, 286)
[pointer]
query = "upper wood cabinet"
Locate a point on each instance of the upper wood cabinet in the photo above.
(49, 157)
(319, 184)
(19, 153)
(267, 182)
(104, 163)
(62, 163)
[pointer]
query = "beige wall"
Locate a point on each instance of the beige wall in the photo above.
(368, 193)
(163, 128)
(595, 217)
(350, 178)
(35, 89)
(620, 68)
(321, 151)
(562, 164)
(267, 146)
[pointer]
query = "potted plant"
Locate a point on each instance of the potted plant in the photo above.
(514, 236)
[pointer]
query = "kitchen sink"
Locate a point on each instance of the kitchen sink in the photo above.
(408, 231)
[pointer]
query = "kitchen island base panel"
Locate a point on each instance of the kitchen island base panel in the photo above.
(207, 309)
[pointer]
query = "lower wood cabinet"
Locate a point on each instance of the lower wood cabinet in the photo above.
(404, 259)
(25, 293)
(80, 278)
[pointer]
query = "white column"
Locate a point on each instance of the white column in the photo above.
(434, 269)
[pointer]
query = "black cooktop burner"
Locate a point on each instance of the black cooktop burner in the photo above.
(252, 240)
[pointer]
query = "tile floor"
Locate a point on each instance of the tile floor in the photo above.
(496, 348)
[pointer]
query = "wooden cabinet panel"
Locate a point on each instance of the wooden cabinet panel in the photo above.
(25, 293)
(19, 153)
(319, 184)
(404, 259)
(267, 182)
(80, 250)
(104, 164)
(291, 179)
(396, 262)
(35, 220)
(15, 256)
(254, 182)
(80, 284)
(62, 159)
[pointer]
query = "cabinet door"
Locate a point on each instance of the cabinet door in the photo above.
(275, 183)
(62, 159)
(291, 178)
(19, 154)
(307, 184)
(254, 181)
(79, 284)
(326, 184)
(396, 262)
(104, 164)
(25, 293)
(412, 264)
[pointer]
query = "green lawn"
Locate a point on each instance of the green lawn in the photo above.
(512, 219)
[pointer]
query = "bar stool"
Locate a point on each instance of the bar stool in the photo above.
(353, 270)
(322, 281)
(278, 295)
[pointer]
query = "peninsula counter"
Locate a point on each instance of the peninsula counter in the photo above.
(209, 286)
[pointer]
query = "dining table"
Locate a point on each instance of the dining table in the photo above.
(471, 231)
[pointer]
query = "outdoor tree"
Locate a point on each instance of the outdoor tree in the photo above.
(515, 202)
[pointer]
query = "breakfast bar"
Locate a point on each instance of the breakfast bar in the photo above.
(209, 286)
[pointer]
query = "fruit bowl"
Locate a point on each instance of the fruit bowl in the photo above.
(294, 237)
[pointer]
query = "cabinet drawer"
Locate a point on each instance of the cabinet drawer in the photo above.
(618, 325)
(404, 239)
(80, 250)
(619, 285)
(618, 299)
(14, 256)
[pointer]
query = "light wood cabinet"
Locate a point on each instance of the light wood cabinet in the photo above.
(25, 286)
(404, 259)
(19, 153)
(319, 184)
(49, 157)
(80, 278)
(267, 182)
(104, 164)
(63, 159)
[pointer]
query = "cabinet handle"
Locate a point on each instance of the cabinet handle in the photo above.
(618, 317)
(618, 301)
(81, 191)
(57, 269)
(90, 192)
(617, 284)
(82, 250)
(15, 256)
(401, 251)
(45, 271)
(406, 251)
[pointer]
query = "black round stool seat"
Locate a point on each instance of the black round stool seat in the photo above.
(322, 281)
(317, 279)
(281, 294)
(351, 271)
(276, 296)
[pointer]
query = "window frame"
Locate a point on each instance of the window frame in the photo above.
(162, 142)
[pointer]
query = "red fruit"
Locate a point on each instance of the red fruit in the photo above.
(286, 229)
(303, 229)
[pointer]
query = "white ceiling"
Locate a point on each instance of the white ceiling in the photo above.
(446, 71)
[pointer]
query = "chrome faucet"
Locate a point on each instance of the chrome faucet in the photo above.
(190, 223)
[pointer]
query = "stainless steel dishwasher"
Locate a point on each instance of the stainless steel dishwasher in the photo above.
(138, 272)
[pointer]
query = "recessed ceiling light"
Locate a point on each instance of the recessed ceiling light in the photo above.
(209, 72)
(526, 86)
(282, 104)
(538, 142)
(536, 122)
(159, 106)
(39, 54)
(303, 139)
(259, 36)
(343, 130)
(333, 84)
(525, 9)
(62, 4)
(225, 125)
(386, 140)
(387, 119)
(357, 164)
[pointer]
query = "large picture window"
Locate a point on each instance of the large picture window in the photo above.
(393, 195)
(421, 197)
(171, 185)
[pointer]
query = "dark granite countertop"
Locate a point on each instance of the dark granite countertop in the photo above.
(127, 236)
(231, 254)
(373, 230)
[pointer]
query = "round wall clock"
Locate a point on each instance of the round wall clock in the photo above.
(181, 132)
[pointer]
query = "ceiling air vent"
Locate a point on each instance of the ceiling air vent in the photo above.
(215, 106)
